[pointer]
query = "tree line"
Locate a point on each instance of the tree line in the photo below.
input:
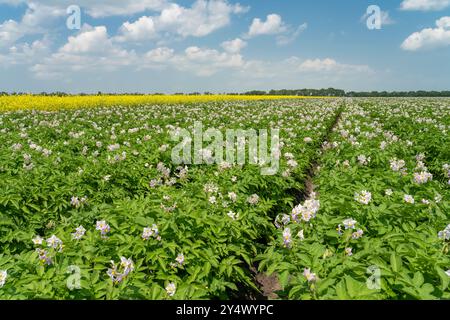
(330, 92)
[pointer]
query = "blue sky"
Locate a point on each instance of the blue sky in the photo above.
(223, 45)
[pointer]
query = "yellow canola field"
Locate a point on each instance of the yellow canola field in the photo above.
(55, 103)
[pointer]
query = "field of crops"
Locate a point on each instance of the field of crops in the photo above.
(93, 207)
(56, 103)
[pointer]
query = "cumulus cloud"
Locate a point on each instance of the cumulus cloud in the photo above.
(95, 50)
(162, 54)
(327, 65)
(272, 25)
(36, 20)
(202, 62)
(429, 38)
(91, 50)
(26, 53)
(201, 19)
(106, 8)
(90, 40)
(100, 8)
(234, 46)
(142, 29)
(424, 5)
(206, 62)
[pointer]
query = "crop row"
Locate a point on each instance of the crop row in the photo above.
(92, 206)
(382, 230)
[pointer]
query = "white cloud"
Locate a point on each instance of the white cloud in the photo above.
(159, 55)
(10, 32)
(90, 40)
(36, 20)
(202, 62)
(101, 8)
(142, 29)
(201, 19)
(92, 50)
(234, 46)
(272, 25)
(206, 62)
(329, 65)
(26, 53)
(424, 5)
(429, 38)
(443, 22)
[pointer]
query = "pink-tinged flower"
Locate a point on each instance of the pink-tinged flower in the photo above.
(287, 238)
(348, 252)
(408, 198)
(103, 227)
(115, 274)
(171, 289)
(127, 265)
(43, 256)
(282, 220)
(210, 187)
(16, 146)
(358, 234)
(445, 234)
(363, 197)
(78, 202)
(349, 223)
(212, 199)
(307, 211)
(292, 163)
(339, 230)
(151, 232)
(113, 147)
(79, 233)
(233, 215)
(422, 177)
(3, 276)
(180, 259)
(154, 183)
(397, 165)
(253, 199)
(225, 165)
(55, 243)
(37, 240)
(363, 160)
(311, 277)
(232, 196)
